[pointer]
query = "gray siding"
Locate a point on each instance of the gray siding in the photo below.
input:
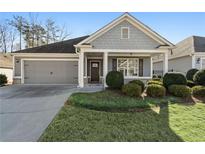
(158, 66)
(183, 48)
(17, 67)
(112, 39)
(182, 64)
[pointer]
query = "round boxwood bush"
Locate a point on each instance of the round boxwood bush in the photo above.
(115, 80)
(154, 82)
(159, 76)
(191, 83)
(199, 77)
(140, 83)
(154, 76)
(199, 91)
(155, 90)
(132, 89)
(190, 74)
(156, 79)
(3, 79)
(180, 90)
(171, 78)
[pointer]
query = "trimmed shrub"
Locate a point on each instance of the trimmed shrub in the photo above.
(155, 82)
(115, 80)
(155, 90)
(190, 73)
(199, 91)
(140, 83)
(154, 76)
(199, 77)
(180, 90)
(159, 76)
(3, 79)
(172, 78)
(157, 79)
(132, 89)
(190, 83)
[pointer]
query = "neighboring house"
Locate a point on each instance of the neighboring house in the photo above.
(125, 44)
(189, 53)
(6, 66)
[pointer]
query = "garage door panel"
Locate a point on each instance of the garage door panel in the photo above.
(51, 72)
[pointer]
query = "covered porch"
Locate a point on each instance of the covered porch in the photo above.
(94, 64)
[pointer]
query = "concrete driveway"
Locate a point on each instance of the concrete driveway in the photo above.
(26, 111)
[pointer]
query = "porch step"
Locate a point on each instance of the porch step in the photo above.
(94, 85)
(92, 88)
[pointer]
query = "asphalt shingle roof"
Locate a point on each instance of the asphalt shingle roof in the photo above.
(199, 43)
(59, 47)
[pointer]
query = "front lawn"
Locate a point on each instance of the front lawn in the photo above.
(114, 101)
(170, 122)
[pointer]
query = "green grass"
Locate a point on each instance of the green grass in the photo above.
(170, 122)
(113, 101)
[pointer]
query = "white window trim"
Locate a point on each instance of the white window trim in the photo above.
(128, 32)
(126, 76)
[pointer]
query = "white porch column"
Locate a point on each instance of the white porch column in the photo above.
(22, 71)
(151, 67)
(193, 61)
(86, 71)
(105, 67)
(81, 69)
(165, 63)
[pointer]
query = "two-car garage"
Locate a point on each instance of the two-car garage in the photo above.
(55, 63)
(50, 71)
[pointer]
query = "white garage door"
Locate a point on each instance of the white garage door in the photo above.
(50, 72)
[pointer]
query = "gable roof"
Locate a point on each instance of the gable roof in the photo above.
(126, 16)
(199, 43)
(59, 47)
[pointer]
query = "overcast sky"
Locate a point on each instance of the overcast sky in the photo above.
(173, 26)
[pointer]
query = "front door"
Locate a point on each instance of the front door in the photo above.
(95, 72)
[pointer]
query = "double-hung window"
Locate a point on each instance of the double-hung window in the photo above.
(128, 66)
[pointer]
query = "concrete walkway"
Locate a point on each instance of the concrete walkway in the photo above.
(26, 111)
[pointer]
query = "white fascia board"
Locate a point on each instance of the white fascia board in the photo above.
(43, 55)
(124, 51)
(199, 53)
(83, 46)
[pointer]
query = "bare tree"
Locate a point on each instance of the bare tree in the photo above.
(27, 35)
(4, 37)
(1, 39)
(12, 39)
(7, 37)
(55, 33)
(18, 22)
(50, 29)
(39, 34)
(33, 32)
(63, 33)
